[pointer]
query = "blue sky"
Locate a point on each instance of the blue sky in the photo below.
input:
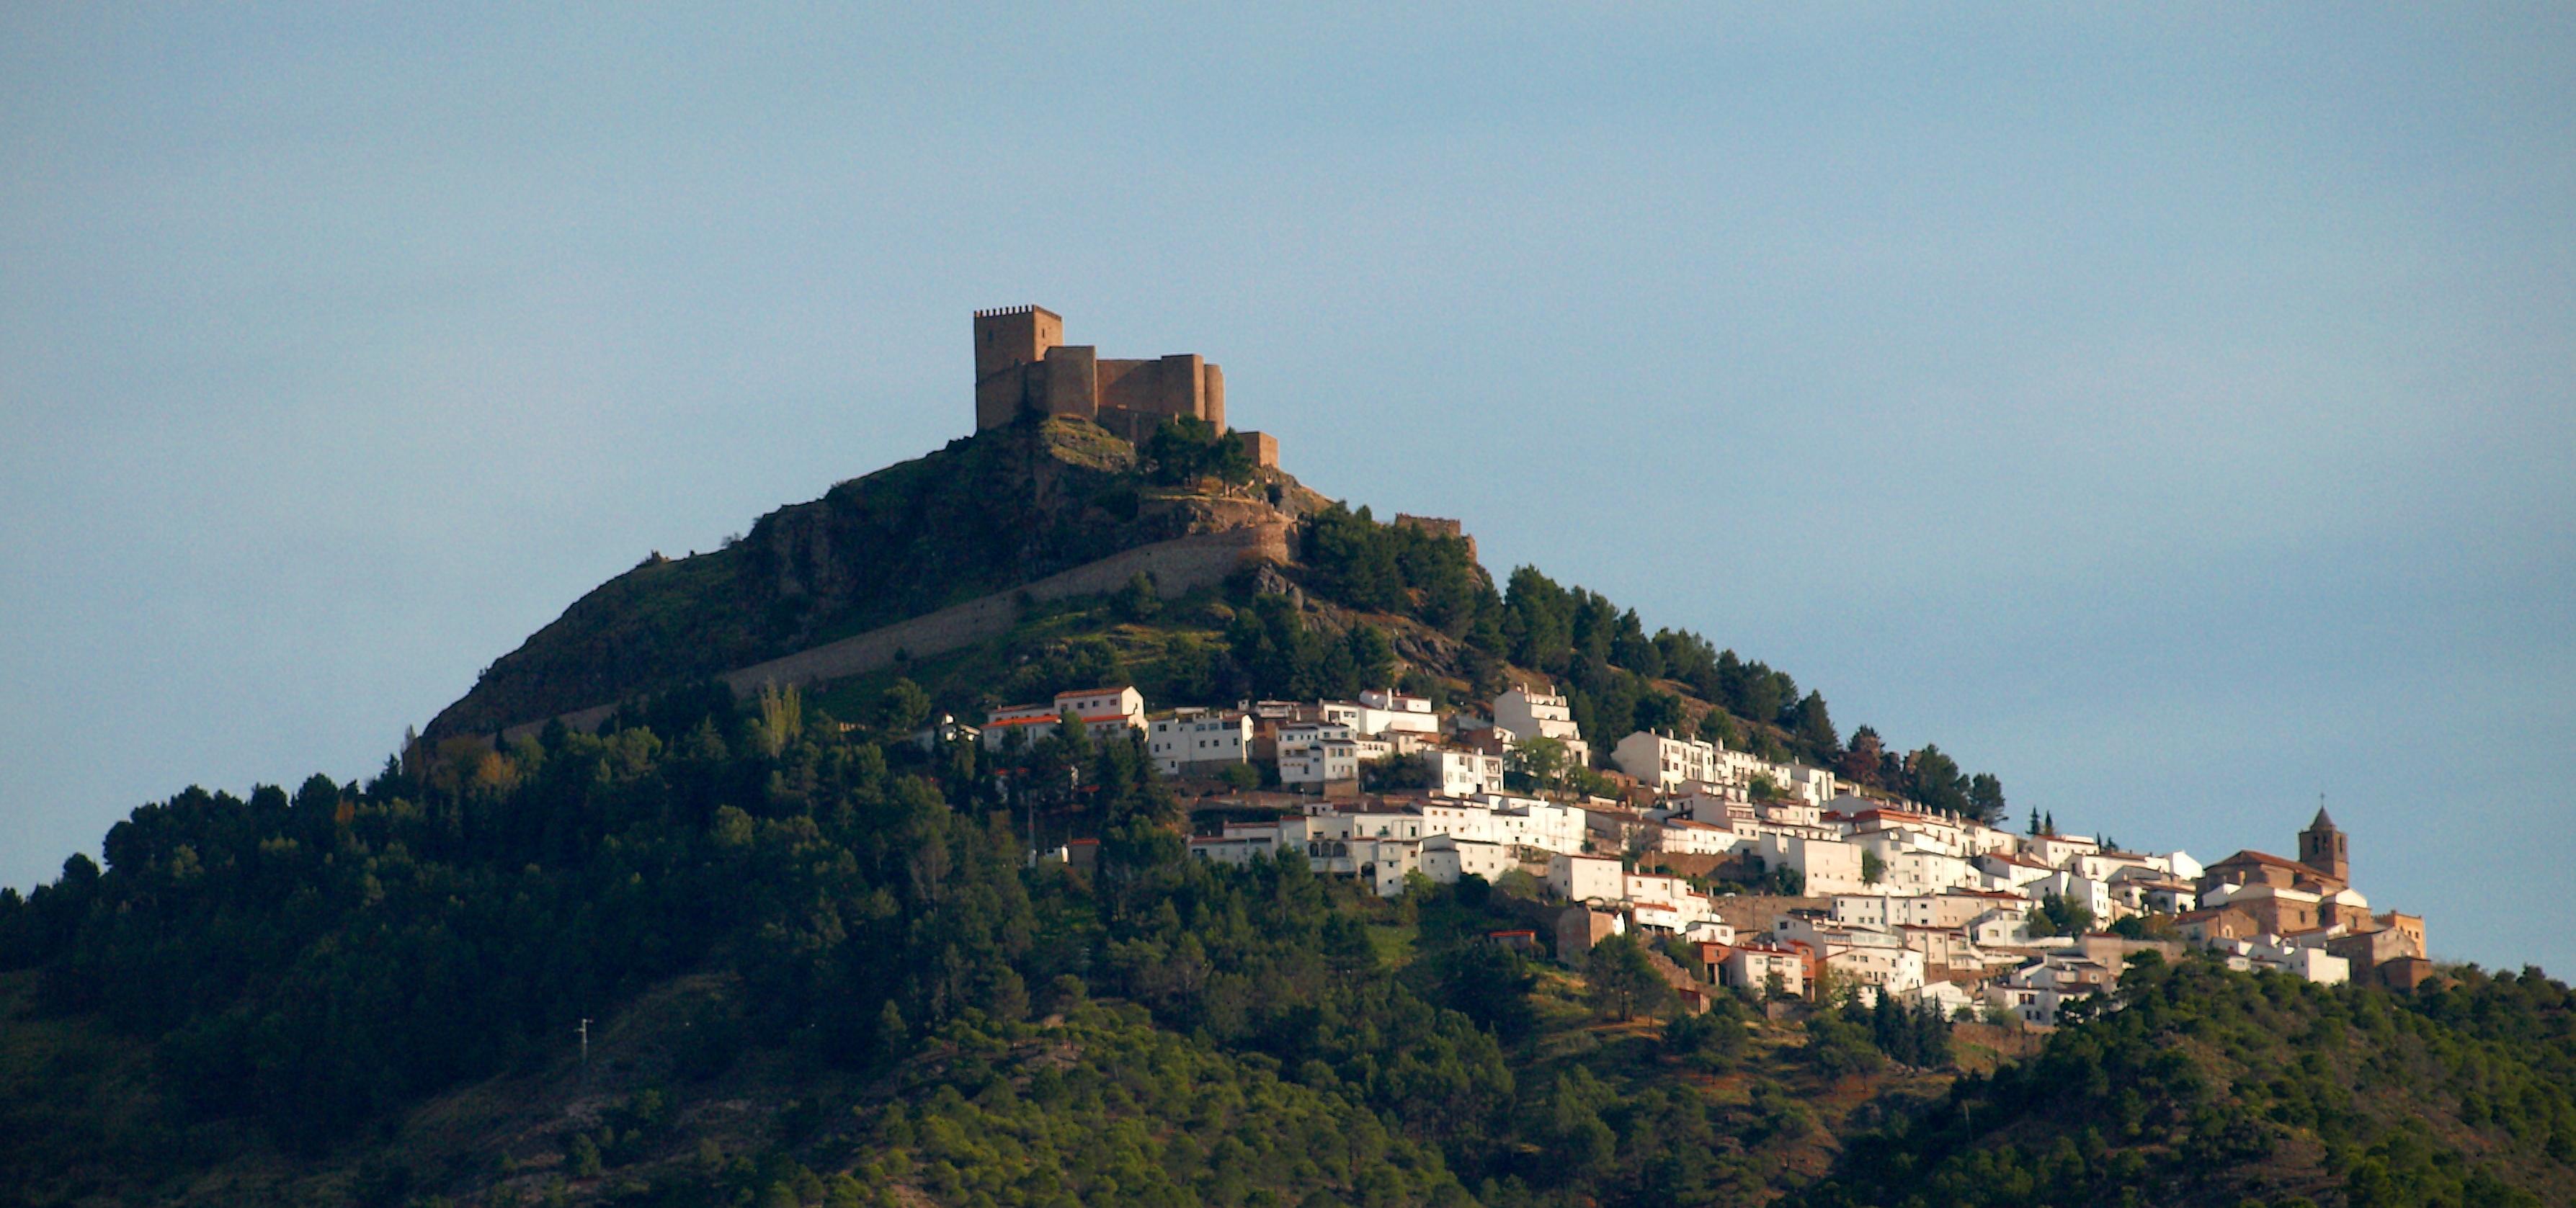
(2167, 410)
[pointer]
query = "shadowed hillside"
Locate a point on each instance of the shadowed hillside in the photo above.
(983, 515)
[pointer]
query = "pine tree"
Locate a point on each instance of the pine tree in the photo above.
(1985, 797)
(1861, 762)
(1931, 1037)
(1815, 729)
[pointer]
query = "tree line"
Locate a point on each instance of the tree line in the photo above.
(1612, 672)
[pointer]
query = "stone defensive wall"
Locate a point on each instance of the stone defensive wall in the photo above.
(1178, 566)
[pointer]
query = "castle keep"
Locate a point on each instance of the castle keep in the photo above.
(1023, 364)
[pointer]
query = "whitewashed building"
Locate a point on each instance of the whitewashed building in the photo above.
(1541, 715)
(1199, 740)
(1386, 712)
(1586, 879)
(1665, 762)
(1104, 712)
(1456, 773)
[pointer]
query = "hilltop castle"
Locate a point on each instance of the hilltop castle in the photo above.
(1022, 364)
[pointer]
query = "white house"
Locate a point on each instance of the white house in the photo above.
(1317, 753)
(1828, 866)
(1242, 843)
(1952, 909)
(1815, 786)
(2010, 871)
(1691, 918)
(1541, 715)
(1198, 740)
(1684, 837)
(1456, 773)
(2082, 891)
(2002, 927)
(2057, 851)
(1656, 888)
(1105, 712)
(2151, 891)
(1884, 966)
(1447, 859)
(2315, 964)
(1323, 763)
(1717, 805)
(1383, 863)
(1383, 712)
(1753, 967)
(1951, 997)
(1586, 878)
(2036, 992)
(1665, 762)
(1531, 823)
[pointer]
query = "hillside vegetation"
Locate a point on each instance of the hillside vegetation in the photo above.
(318, 996)
(984, 514)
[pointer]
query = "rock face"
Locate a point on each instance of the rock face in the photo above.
(985, 514)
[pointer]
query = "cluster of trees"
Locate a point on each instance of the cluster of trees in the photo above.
(1186, 449)
(319, 957)
(2206, 1084)
(2060, 916)
(1106, 1108)
(1916, 1036)
(1612, 672)
(1278, 654)
(1393, 568)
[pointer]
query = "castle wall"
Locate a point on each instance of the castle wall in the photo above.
(1436, 526)
(1125, 384)
(1164, 388)
(1178, 567)
(998, 398)
(1261, 447)
(1072, 382)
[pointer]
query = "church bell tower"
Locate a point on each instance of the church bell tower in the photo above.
(2321, 847)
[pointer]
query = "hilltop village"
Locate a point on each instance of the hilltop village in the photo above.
(1775, 878)
(1778, 879)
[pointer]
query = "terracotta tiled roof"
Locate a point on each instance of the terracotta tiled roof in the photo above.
(2266, 859)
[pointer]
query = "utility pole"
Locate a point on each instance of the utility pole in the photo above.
(585, 1046)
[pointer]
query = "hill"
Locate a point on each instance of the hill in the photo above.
(724, 951)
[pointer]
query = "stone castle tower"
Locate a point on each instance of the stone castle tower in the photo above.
(1022, 364)
(2322, 848)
